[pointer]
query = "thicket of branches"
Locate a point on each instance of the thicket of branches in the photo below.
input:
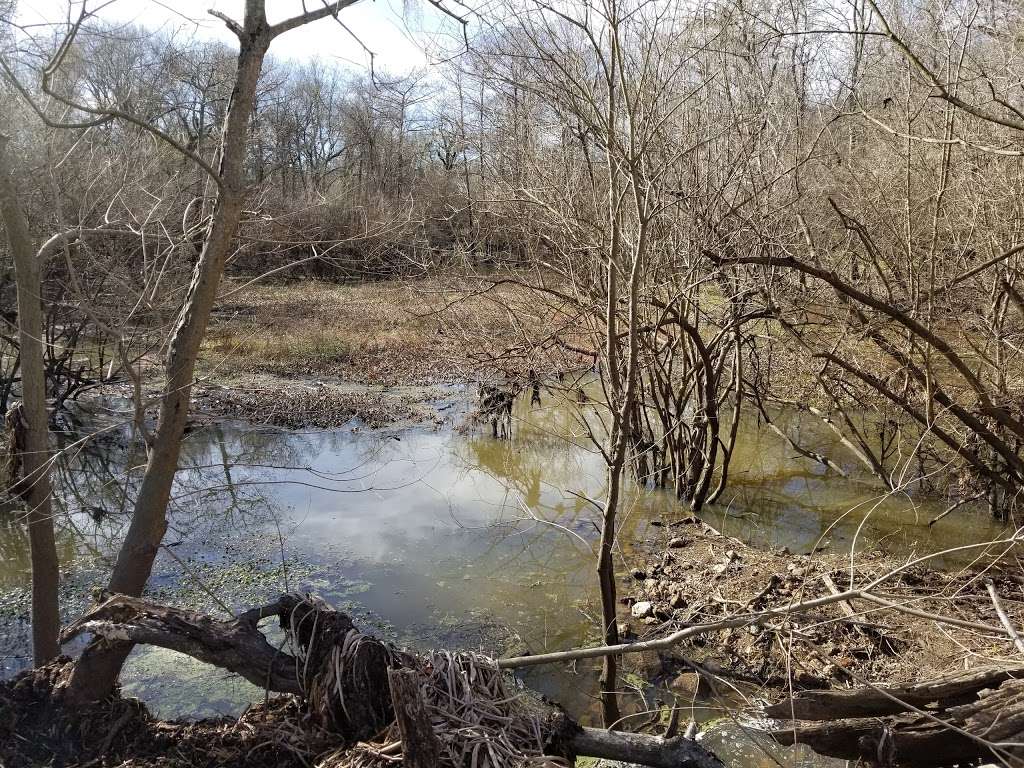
(724, 207)
(819, 206)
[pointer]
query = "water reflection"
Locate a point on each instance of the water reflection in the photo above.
(436, 537)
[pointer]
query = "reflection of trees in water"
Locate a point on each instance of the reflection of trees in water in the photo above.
(222, 489)
(15, 561)
(538, 475)
(549, 467)
(777, 498)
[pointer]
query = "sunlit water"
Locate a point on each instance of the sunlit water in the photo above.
(437, 536)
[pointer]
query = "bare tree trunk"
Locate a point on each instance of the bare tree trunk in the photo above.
(606, 580)
(97, 670)
(35, 449)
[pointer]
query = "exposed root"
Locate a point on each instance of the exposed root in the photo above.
(477, 720)
(342, 716)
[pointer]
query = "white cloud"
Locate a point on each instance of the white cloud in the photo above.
(398, 44)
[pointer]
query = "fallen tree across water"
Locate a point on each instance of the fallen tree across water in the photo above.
(347, 688)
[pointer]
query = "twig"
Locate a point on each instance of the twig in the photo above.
(1010, 629)
(953, 507)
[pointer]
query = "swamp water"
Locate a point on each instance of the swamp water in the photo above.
(434, 537)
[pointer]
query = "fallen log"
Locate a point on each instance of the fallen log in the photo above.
(962, 717)
(346, 682)
(639, 748)
(234, 645)
(878, 702)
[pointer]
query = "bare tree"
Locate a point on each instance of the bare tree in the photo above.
(98, 668)
(28, 422)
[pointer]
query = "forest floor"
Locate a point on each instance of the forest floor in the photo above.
(36, 728)
(697, 575)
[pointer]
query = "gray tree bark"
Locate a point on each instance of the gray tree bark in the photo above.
(420, 747)
(35, 449)
(100, 664)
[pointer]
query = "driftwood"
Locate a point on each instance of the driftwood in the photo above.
(332, 658)
(641, 749)
(420, 748)
(965, 716)
(872, 702)
(235, 645)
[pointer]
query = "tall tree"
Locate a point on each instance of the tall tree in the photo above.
(29, 421)
(100, 664)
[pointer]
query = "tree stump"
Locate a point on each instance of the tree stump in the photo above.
(420, 747)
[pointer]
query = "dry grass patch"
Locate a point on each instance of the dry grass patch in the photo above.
(399, 332)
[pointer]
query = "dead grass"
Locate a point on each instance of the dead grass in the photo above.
(373, 333)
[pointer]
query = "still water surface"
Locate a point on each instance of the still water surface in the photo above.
(439, 536)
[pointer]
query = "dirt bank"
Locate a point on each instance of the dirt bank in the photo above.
(317, 403)
(37, 729)
(698, 576)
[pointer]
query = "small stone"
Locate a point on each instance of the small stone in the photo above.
(687, 684)
(642, 609)
(676, 542)
(647, 664)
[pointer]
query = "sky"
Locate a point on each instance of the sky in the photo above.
(400, 42)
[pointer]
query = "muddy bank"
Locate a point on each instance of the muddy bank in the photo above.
(317, 404)
(292, 402)
(424, 332)
(699, 576)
